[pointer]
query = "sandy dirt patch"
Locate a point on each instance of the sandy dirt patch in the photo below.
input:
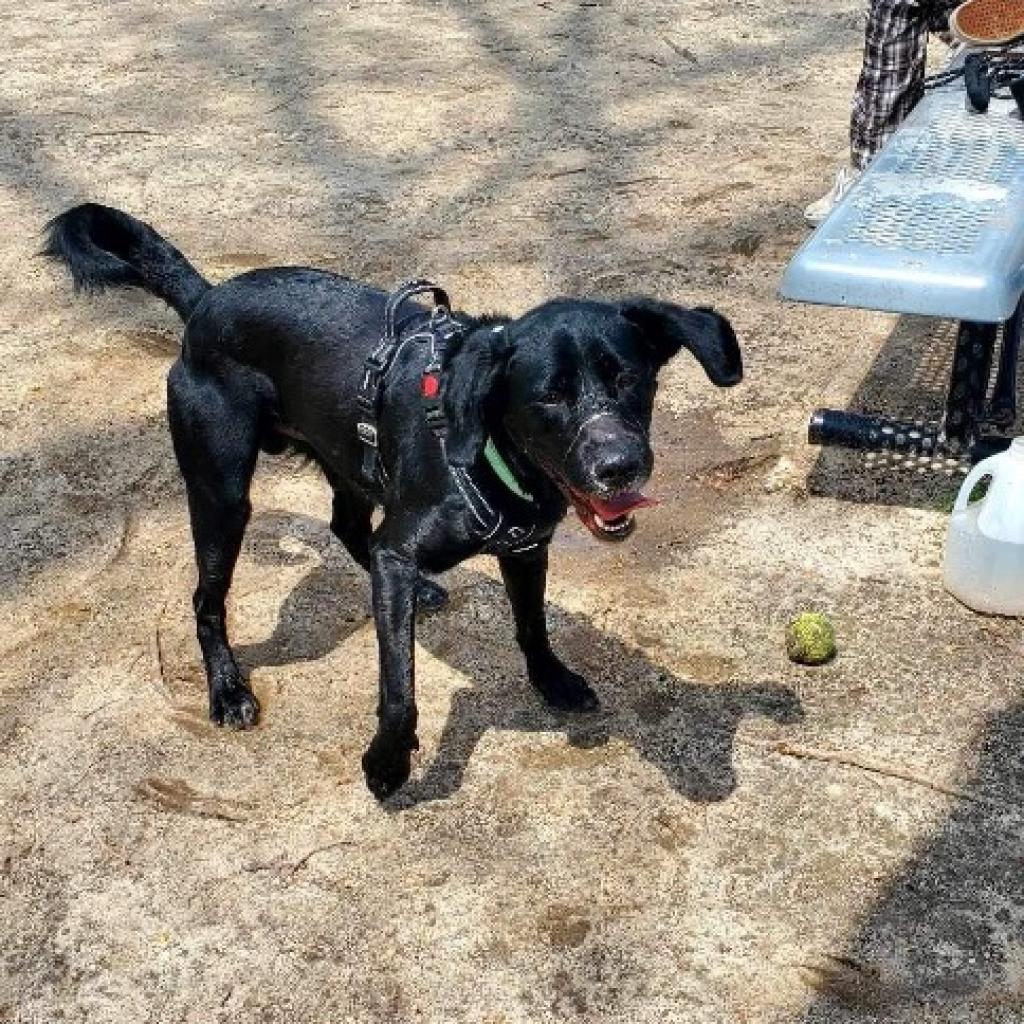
(661, 862)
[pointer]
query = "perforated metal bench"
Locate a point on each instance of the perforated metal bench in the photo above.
(934, 227)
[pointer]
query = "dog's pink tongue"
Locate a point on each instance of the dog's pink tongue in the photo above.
(618, 506)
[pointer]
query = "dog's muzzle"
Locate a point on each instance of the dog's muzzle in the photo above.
(615, 461)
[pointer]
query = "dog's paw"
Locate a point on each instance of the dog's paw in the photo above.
(430, 596)
(234, 706)
(564, 690)
(386, 765)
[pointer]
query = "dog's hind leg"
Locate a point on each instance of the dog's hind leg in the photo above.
(351, 523)
(216, 438)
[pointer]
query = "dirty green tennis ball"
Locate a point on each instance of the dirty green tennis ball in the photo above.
(810, 639)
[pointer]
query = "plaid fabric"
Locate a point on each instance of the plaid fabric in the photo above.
(892, 78)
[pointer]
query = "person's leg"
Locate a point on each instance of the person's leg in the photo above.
(892, 76)
(890, 84)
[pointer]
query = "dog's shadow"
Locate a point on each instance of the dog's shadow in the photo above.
(685, 728)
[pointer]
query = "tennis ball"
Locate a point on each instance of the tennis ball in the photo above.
(810, 639)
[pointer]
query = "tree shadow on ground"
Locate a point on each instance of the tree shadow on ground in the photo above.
(944, 941)
(566, 82)
(907, 381)
(686, 729)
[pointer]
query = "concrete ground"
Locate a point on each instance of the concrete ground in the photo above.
(734, 840)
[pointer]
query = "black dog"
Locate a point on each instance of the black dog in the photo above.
(476, 436)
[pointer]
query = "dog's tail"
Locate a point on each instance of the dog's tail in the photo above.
(106, 248)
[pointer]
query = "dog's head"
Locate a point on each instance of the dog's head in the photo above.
(572, 383)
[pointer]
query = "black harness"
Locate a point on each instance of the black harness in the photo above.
(436, 330)
(500, 531)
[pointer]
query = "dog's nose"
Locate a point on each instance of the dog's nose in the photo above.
(617, 469)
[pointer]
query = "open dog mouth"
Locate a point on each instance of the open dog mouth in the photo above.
(609, 519)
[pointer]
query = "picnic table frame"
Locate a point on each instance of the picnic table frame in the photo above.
(934, 227)
(967, 409)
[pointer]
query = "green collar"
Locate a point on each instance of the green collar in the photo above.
(503, 471)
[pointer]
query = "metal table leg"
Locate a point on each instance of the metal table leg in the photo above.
(965, 405)
(1002, 409)
(968, 383)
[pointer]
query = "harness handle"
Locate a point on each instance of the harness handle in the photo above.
(407, 291)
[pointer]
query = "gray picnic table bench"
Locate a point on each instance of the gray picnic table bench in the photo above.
(934, 227)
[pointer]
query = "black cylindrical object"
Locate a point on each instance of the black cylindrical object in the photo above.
(831, 427)
(1017, 91)
(978, 81)
(872, 433)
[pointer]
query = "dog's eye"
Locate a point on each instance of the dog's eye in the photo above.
(554, 396)
(626, 381)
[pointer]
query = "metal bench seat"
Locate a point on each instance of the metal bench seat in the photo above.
(935, 226)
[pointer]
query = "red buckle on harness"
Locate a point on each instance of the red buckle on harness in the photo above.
(430, 385)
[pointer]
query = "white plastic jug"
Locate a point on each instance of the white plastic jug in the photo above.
(984, 566)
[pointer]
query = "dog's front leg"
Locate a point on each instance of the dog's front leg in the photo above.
(525, 580)
(388, 758)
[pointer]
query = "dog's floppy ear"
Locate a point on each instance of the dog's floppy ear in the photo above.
(473, 371)
(708, 335)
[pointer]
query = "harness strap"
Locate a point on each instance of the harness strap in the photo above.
(378, 362)
(437, 331)
(441, 329)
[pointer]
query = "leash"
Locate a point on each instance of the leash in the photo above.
(437, 330)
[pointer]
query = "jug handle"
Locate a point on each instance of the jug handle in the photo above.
(982, 469)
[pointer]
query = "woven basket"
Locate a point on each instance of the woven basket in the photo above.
(988, 22)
